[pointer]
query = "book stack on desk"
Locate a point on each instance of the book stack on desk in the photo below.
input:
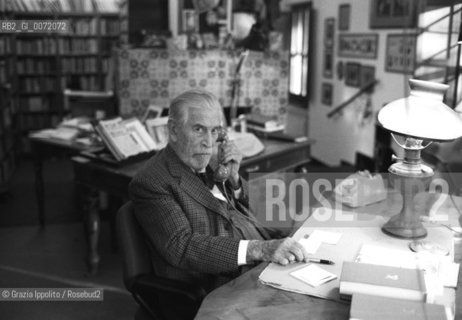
(379, 308)
(383, 281)
(282, 136)
(262, 123)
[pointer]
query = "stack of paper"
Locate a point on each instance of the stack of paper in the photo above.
(313, 275)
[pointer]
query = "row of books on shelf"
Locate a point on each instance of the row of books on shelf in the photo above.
(87, 82)
(49, 83)
(4, 45)
(8, 140)
(7, 115)
(36, 46)
(38, 85)
(109, 27)
(7, 165)
(52, 46)
(38, 121)
(61, 6)
(93, 26)
(3, 72)
(31, 66)
(34, 103)
(81, 64)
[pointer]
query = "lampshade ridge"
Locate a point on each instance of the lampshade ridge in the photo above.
(422, 114)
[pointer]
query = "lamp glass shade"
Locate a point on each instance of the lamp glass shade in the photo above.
(423, 114)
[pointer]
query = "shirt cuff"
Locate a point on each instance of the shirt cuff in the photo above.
(242, 252)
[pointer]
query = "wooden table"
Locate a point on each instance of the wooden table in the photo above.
(246, 298)
(94, 176)
(43, 148)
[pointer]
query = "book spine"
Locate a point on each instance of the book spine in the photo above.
(260, 124)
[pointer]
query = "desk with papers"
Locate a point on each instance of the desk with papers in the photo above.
(272, 291)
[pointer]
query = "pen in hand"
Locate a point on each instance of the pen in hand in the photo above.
(321, 261)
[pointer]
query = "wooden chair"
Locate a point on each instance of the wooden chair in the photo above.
(158, 297)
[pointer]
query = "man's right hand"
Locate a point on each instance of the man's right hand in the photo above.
(281, 251)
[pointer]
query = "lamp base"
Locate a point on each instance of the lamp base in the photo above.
(397, 227)
(426, 246)
(410, 178)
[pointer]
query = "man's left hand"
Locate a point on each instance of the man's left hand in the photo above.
(231, 155)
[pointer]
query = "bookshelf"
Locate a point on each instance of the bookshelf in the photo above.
(8, 125)
(48, 63)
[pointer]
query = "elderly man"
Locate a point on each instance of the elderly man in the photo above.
(201, 232)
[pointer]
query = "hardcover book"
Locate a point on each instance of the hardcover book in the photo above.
(382, 281)
(124, 138)
(263, 122)
(379, 308)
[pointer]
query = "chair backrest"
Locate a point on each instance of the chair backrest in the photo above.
(158, 297)
(134, 250)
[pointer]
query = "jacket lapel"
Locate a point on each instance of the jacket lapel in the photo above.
(192, 184)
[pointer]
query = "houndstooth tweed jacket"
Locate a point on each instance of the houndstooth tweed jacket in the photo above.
(189, 231)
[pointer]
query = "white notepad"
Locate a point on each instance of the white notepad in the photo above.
(313, 275)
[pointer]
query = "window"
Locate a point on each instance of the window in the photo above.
(299, 54)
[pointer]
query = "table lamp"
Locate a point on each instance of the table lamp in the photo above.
(414, 123)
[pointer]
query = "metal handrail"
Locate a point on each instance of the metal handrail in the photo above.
(344, 104)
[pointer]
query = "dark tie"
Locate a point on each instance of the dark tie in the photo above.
(239, 219)
(207, 179)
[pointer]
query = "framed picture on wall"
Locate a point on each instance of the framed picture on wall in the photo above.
(328, 63)
(190, 21)
(352, 74)
(367, 75)
(344, 17)
(326, 94)
(340, 70)
(358, 45)
(329, 32)
(393, 13)
(400, 53)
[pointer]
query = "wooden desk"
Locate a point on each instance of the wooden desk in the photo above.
(43, 148)
(94, 176)
(246, 298)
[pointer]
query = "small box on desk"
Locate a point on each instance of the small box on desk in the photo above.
(384, 281)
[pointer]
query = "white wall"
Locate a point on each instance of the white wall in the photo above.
(339, 138)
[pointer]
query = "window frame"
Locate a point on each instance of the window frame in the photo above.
(305, 10)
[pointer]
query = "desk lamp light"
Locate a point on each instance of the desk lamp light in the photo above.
(414, 123)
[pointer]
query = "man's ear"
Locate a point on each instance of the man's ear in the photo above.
(172, 131)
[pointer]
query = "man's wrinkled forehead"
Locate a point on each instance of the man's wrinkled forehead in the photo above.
(205, 112)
